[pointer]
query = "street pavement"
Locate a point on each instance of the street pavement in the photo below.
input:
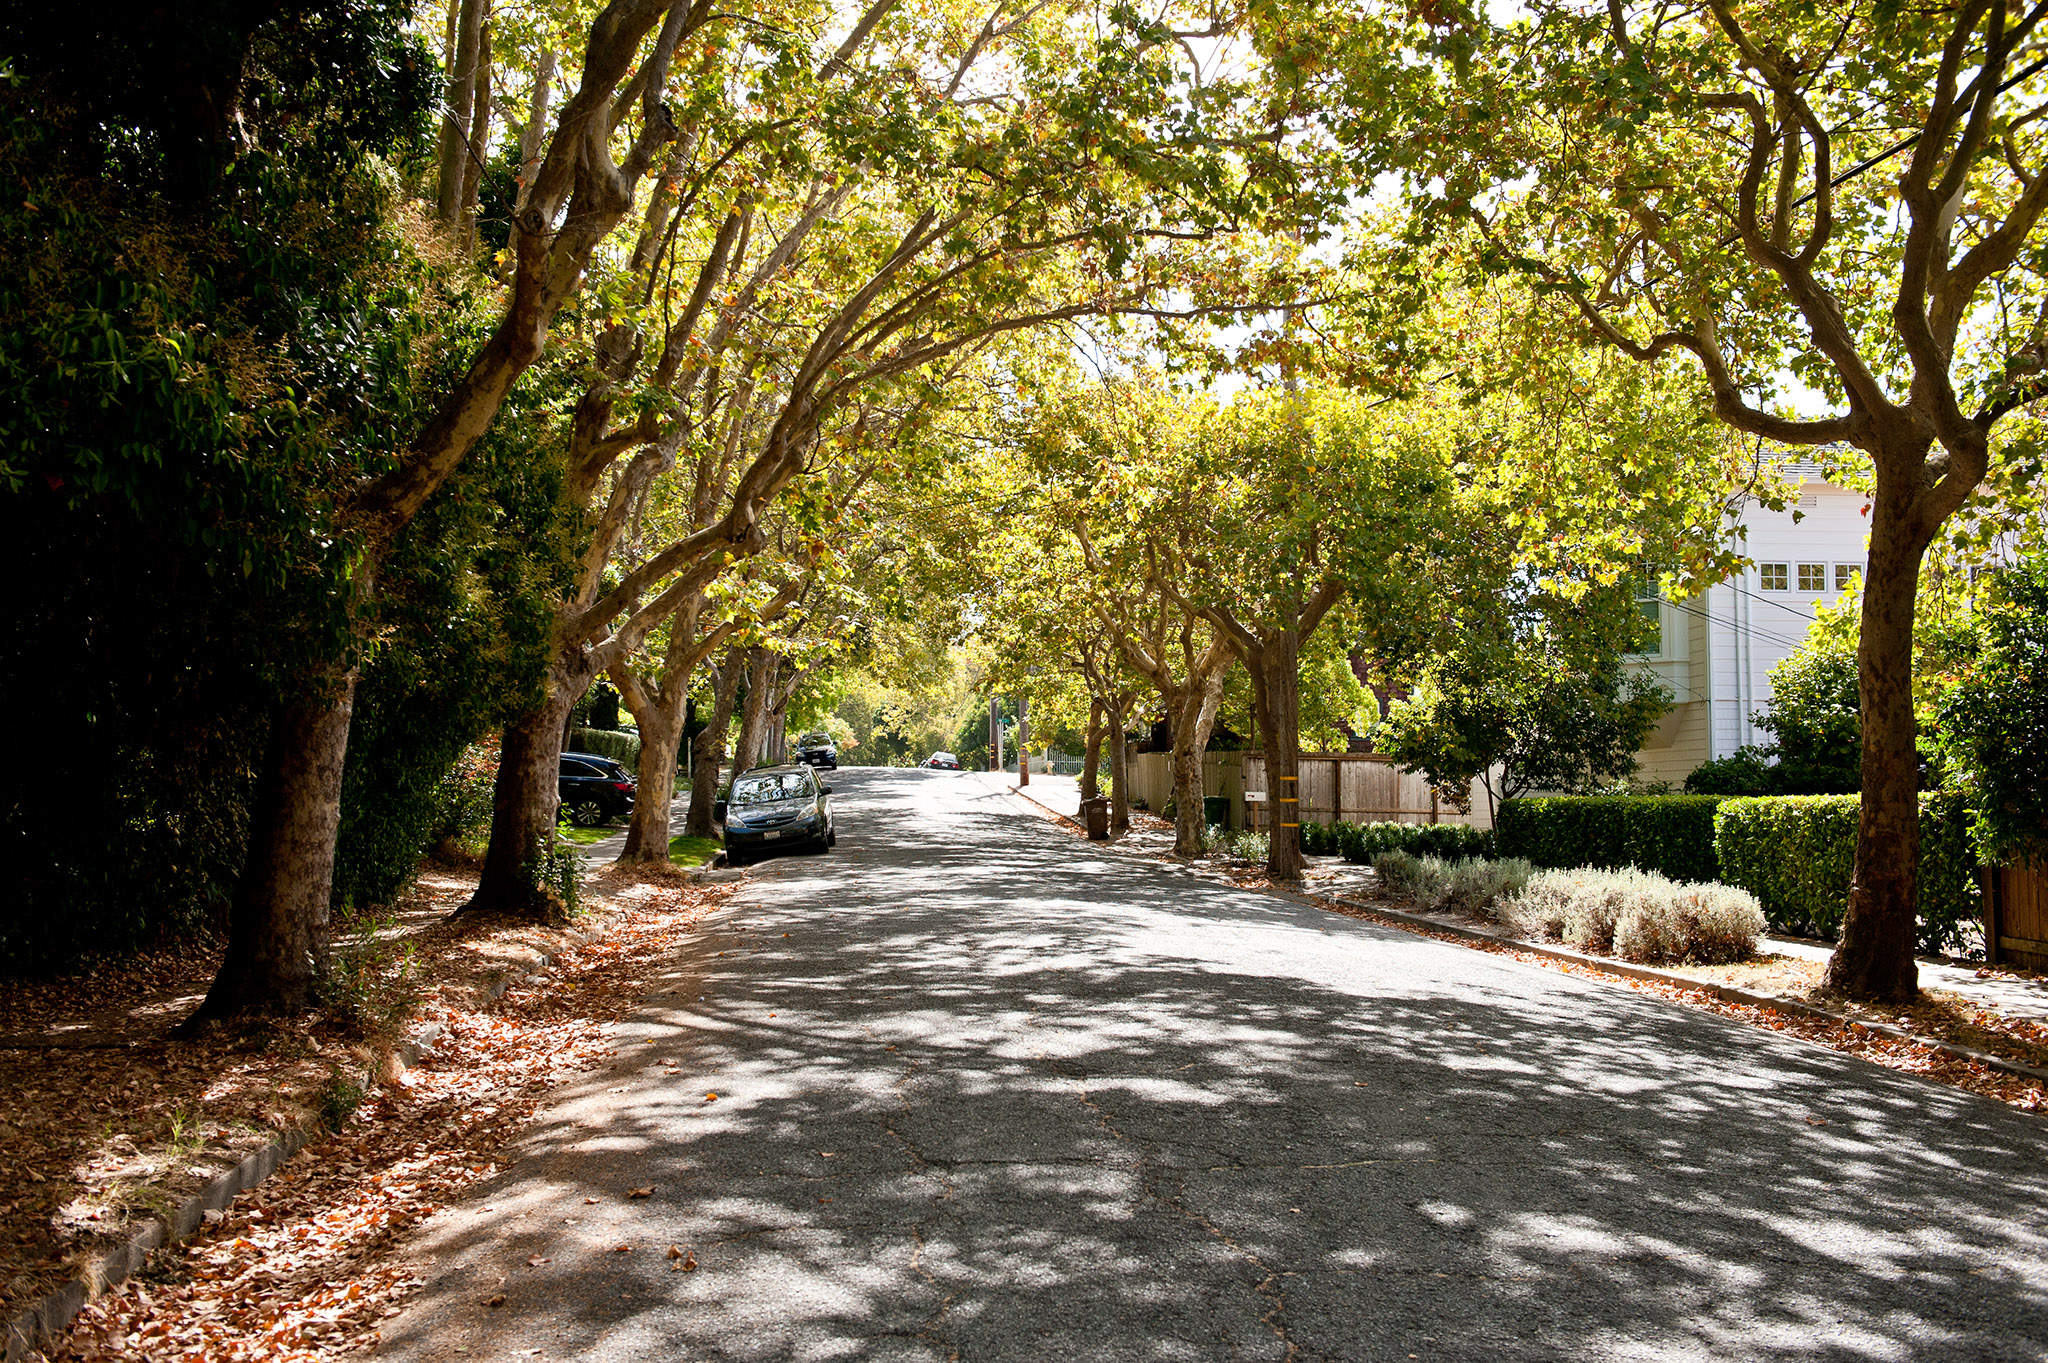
(985, 1092)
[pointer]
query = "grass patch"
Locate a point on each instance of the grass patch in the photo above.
(693, 851)
(584, 837)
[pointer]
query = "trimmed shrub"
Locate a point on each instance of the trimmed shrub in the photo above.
(622, 748)
(1672, 835)
(1638, 915)
(1796, 854)
(1361, 842)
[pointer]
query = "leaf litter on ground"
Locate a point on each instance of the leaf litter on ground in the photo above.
(308, 1264)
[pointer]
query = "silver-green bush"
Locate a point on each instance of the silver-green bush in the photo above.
(1638, 915)
(1470, 884)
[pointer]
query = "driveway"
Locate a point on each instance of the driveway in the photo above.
(987, 1092)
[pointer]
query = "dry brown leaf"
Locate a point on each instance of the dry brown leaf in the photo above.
(689, 1263)
(648, 1191)
(536, 1260)
(495, 1299)
(622, 1249)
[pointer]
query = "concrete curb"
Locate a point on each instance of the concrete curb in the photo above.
(40, 1323)
(1726, 992)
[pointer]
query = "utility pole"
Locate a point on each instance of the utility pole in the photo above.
(995, 734)
(1023, 741)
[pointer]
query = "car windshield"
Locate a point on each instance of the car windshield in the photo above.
(944, 757)
(766, 790)
(814, 741)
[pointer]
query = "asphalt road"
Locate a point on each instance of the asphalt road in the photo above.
(1001, 1095)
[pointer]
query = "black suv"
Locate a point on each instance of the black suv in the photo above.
(818, 750)
(594, 789)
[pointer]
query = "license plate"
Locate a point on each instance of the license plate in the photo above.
(772, 833)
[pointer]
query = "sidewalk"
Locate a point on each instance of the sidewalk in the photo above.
(2013, 995)
(1060, 794)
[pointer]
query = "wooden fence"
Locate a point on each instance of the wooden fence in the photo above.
(1350, 788)
(1335, 787)
(2016, 916)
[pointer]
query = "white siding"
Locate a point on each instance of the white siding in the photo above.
(1736, 631)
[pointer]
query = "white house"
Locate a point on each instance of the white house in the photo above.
(1716, 650)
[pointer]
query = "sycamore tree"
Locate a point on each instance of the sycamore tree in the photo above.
(1845, 195)
(955, 185)
(1285, 504)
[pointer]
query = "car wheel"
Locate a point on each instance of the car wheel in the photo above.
(832, 838)
(586, 814)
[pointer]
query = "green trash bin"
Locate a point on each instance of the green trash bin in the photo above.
(1216, 810)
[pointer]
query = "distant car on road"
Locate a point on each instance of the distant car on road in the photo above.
(943, 761)
(771, 808)
(818, 750)
(594, 789)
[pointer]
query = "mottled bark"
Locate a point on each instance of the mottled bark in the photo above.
(523, 803)
(761, 667)
(1276, 703)
(1119, 773)
(1192, 712)
(457, 110)
(479, 140)
(1875, 956)
(707, 752)
(1092, 748)
(278, 920)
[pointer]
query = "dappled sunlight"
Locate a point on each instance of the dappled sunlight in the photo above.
(990, 1097)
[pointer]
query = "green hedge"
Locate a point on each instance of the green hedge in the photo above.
(1361, 842)
(1796, 854)
(1672, 835)
(622, 748)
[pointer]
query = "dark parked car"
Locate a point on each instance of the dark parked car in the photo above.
(771, 808)
(594, 789)
(818, 750)
(943, 761)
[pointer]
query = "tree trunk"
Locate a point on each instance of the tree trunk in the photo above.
(1119, 775)
(1276, 685)
(754, 715)
(278, 920)
(456, 112)
(707, 751)
(523, 803)
(1875, 957)
(1023, 741)
(1193, 717)
(1093, 748)
(479, 139)
(661, 723)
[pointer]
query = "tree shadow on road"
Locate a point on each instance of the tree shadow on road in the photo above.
(999, 1096)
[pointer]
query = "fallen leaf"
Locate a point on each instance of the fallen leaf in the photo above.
(648, 1191)
(1816, 1121)
(710, 1097)
(495, 1299)
(589, 1201)
(622, 1249)
(689, 1263)
(675, 1252)
(536, 1260)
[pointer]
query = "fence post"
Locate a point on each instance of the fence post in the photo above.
(1991, 888)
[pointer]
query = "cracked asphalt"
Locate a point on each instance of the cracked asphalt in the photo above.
(985, 1092)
